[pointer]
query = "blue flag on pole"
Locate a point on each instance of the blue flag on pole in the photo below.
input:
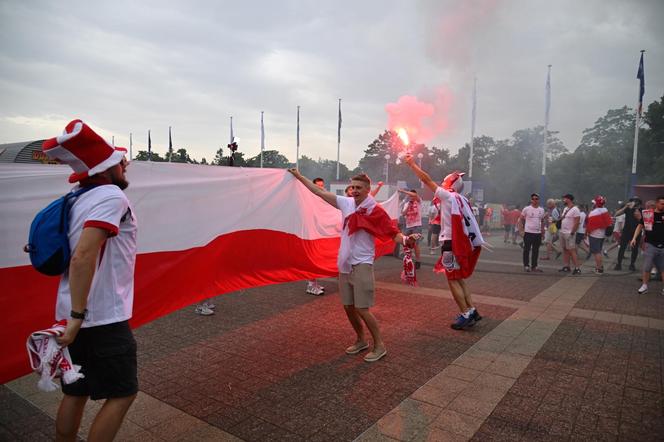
(640, 74)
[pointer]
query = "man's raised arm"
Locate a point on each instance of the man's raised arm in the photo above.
(328, 197)
(422, 175)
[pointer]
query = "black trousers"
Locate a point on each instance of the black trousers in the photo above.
(534, 241)
(625, 238)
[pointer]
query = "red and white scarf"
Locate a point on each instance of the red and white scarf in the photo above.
(49, 360)
(466, 235)
(408, 275)
(598, 218)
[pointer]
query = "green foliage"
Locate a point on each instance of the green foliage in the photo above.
(271, 158)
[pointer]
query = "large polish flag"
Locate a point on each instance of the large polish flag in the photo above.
(203, 231)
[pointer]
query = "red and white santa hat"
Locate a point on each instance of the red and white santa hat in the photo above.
(84, 150)
(454, 182)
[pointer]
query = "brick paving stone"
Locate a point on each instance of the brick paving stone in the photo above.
(617, 395)
(22, 421)
(618, 295)
(271, 361)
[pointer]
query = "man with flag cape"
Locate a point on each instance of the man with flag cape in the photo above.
(364, 220)
(461, 241)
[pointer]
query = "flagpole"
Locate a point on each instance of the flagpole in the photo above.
(472, 131)
(113, 141)
(262, 138)
(297, 141)
(338, 138)
(131, 157)
(231, 140)
(641, 76)
(545, 143)
(149, 147)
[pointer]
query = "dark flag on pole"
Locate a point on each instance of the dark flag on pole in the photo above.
(640, 74)
(149, 147)
(170, 145)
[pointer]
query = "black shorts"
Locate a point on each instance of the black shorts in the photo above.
(107, 356)
(435, 229)
(508, 227)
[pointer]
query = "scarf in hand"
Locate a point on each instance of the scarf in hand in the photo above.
(49, 360)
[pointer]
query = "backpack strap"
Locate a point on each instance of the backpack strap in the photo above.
(69, 200)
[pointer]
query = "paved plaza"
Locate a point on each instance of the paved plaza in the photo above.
(556, 357)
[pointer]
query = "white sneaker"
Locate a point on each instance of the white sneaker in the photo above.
(209, 305)
(203, 310)
(643, 289)
(317, 291)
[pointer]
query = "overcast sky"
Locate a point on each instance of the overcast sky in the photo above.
(126, 66)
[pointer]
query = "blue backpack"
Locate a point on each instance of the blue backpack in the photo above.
(48, 242)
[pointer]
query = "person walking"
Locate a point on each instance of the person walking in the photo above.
(632, 211)
(96, 293)
(363, 220)
(531, 225)
(551, 231)
(569, 225)
(652, 224)
(598, 220)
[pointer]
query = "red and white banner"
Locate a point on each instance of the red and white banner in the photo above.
(203, 231)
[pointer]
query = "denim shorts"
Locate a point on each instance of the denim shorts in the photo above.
(653, 256)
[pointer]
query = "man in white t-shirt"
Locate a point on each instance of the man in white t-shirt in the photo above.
(460, 238)
(363, 220)
(531, 225)
(570, 220)
(96, 293)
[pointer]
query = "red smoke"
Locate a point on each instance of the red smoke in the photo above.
(422, 119)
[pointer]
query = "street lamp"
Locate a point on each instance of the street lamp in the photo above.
(387, 168)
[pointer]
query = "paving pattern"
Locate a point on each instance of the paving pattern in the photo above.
(557, 358)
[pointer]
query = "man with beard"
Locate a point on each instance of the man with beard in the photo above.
(96, 292)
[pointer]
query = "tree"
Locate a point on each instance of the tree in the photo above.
(181, 156)
(142, 155)
(326, 169)
(602, 162)
(204, 161)
(650, 164)
(271, 158)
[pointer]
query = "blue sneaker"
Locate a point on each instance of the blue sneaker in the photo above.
(475, 316)
(462, 322)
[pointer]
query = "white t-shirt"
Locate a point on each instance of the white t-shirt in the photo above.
(597, 233)
(361, 243)
(582, 223)
(445, 198)
(568, 218)
(111, 296)
(620, 223)
(533, 219)
(412, 211)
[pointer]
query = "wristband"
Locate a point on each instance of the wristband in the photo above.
(78, 315)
